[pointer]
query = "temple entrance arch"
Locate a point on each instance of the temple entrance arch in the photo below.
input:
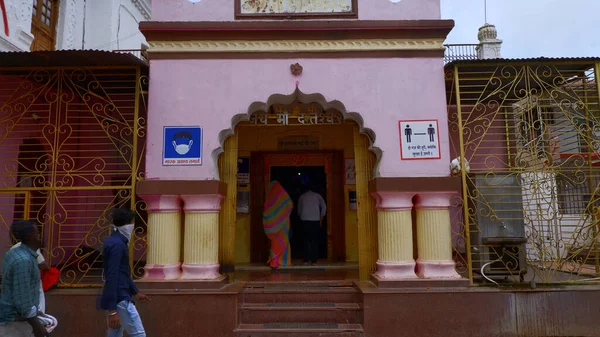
(296, 131)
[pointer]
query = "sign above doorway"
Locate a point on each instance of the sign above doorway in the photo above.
(296, 114)
(297, 143)
(419, 139)
(182, 145)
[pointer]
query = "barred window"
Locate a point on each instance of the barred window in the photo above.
(573, 193)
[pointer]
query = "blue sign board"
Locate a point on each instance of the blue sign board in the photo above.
(182, 145)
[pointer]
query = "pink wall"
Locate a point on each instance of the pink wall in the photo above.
(223, 10)
(210, 92)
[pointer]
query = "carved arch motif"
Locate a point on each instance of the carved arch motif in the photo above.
(297, 97)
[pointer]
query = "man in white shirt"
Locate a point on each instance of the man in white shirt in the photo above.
(311, 210)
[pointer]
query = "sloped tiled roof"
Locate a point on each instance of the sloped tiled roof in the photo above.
(68, 58)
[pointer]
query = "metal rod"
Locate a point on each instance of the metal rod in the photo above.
(465, 194)
(485, 10)
(134, 163)
(594, 217)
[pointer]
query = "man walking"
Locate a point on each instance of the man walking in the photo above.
(311, 210)
(119, 289)
(20, 300)
(42, 266)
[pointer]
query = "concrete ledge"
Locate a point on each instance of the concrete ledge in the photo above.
(218, 283)
(184, 313)
(180, 187)
(435, 312)
(419, 283)
(415, 184)
(480, 311)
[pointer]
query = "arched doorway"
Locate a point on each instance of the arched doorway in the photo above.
(293, 135)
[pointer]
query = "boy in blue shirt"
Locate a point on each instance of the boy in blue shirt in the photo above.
(119, 290)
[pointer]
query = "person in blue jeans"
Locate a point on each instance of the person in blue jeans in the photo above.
(119, 290)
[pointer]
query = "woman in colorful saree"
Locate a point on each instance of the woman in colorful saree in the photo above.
(276, 223)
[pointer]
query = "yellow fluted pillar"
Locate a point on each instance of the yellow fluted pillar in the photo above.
(366, 212)
(164, 237)
(201, 243)
(229, 209)
(395, 235)
(434, 236)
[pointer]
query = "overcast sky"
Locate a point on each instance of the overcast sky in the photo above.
(530, 28)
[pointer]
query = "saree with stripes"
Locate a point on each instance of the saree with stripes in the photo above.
(276, 223)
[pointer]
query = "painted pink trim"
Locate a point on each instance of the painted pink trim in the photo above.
(437, 269)
(434, 200)
(202, 203)
(162, 272)
(200, 271)
(396, 201)
(162, 203)
(396, 270)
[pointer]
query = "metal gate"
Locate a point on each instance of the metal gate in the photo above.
(530, 133)
(71, 149)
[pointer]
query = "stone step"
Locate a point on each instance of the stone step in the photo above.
(300, 293)
(299, 330)
(300, 312)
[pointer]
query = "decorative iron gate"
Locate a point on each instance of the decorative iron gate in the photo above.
(530, 134)
(71, 149)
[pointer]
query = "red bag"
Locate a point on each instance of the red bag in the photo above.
(49, 278)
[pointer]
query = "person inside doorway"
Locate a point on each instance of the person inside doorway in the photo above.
(20, 299)
(276, 223)
(311, 210)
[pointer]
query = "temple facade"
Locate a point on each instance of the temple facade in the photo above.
(283, 93)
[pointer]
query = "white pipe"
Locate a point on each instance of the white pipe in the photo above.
(483, 273)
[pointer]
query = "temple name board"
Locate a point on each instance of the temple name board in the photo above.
(297, 115)
(295, 7)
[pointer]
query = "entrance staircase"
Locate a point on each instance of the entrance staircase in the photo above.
(326, 309)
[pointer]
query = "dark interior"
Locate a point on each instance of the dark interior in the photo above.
(292, 179)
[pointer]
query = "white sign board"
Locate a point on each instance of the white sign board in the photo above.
(419, 139)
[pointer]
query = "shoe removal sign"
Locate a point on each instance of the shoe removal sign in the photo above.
(182, 145)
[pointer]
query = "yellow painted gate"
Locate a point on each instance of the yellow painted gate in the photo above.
(529, 134)
(71, 149)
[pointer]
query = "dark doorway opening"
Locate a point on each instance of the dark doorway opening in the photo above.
(293, 178)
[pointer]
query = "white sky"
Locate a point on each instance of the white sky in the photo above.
(530, 28)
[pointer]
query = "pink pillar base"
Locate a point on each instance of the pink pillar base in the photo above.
(396, 270)
(200, 271)
(437, 269)
(162, 271)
